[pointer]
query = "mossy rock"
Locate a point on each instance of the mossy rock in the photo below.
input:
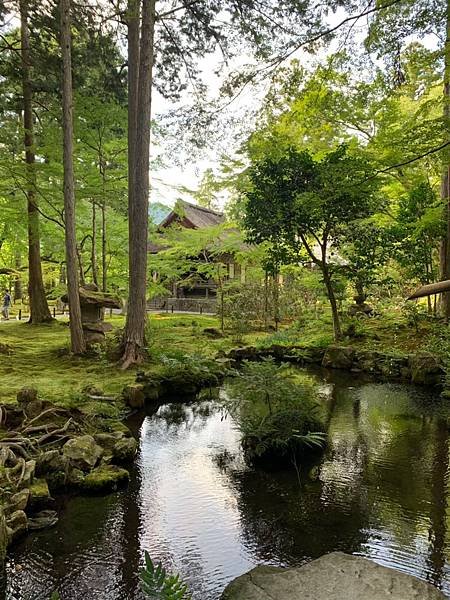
(56, 480)
(124, 450)
(104, 479)
(134, 395)
(118, 426)
(39, 495)
(338, 357)
(82, 452)
(426, 369)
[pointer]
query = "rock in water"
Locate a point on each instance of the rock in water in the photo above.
(43, 520)
(335, 576)
(39, 496)
(19, 500)
(125, 450)
(17, 524)
(426, 369)
(106, 478)
(82, 452)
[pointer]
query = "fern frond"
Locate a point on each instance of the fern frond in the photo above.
(157, 584)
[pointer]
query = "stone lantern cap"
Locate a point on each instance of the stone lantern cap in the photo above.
(90, 296)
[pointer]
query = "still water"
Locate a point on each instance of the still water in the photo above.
(381, 491)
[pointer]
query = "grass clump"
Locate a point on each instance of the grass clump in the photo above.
(276, 412)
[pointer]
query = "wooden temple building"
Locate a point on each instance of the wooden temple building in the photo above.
(195, 290)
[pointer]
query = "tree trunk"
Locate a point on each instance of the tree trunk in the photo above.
(18, 292)
(332, 298)
(276, 299)
(81, 280)
(78, 343)
(39, 311)
(138, 163)
(94, 245)
(445, 180)
(104, 265)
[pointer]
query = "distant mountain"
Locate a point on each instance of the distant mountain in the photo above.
(157, 211)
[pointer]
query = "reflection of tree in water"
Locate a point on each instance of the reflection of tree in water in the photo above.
(438, 516)
(285, 524)
(384, 474)
(191, 415)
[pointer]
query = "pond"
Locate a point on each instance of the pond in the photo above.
(380, 491)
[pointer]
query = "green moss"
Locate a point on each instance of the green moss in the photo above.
(105, 479)
(39, 489)
(41, 357)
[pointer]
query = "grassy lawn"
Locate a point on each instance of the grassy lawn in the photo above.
(39, 355)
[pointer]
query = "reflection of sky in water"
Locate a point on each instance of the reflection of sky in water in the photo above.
(188, 506)
(380, 491)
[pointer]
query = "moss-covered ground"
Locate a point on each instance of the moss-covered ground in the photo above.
(39, 355)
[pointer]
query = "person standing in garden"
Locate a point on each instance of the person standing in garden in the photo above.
(6, 305)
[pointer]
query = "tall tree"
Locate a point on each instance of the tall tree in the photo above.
(445, 180)
(39, 311)
(78, 343)
(140, 75)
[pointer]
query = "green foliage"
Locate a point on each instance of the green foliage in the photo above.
(157, 584)
(276, 412)
(417, 232)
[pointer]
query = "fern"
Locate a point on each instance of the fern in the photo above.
(157, 584)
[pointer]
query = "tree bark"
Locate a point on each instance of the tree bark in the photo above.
(140, 66)
(104, 233)
(332, 298)
(94, 245)
(39, 311)
(78, 343)
(445, 180)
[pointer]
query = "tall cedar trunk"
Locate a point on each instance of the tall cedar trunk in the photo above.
(102, 167)
(104, 265)
(81, 280)
(39, 311)
(276, 299)
(94, 245)
(139, 116)
(18, 292)
(76, 330)
(332, 298)
(445, 181)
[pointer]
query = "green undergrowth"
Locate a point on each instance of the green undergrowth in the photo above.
(38, 356)
(389, 332)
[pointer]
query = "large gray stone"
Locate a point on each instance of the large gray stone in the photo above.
(334, 576)
(426, 369)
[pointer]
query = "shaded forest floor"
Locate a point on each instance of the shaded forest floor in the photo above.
(38, 356)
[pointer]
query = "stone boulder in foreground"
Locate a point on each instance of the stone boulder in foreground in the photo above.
(335, 576)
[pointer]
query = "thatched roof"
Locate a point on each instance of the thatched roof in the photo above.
(431, 289)
(193, 216)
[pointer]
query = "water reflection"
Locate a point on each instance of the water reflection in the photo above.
(381, 491)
